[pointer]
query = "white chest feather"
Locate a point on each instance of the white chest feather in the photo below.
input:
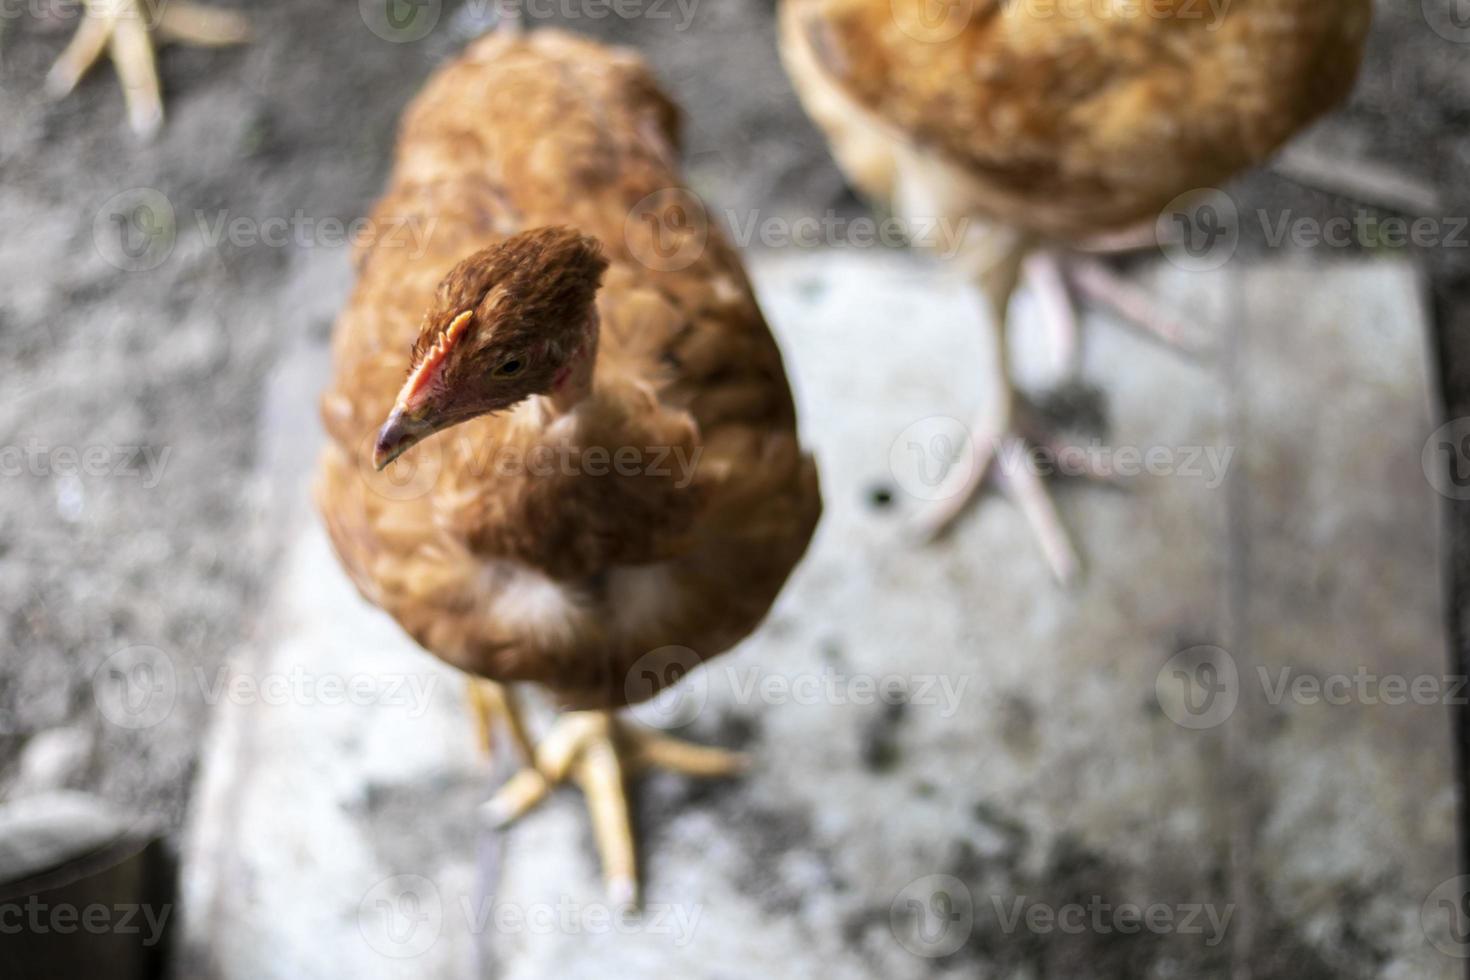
(529, 602)
(641, 595)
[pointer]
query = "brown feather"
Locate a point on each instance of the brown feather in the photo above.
(1068, 118)
(526, 157)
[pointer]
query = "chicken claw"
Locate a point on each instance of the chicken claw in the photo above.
(1005, 454)
(597, 751)
(1100, 284)
(123, 27)
(1053, 275)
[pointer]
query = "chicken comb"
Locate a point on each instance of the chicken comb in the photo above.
(429, 360)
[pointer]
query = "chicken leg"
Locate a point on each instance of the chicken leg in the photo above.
(596, 750)
(1001, 449)
(1002, 432)
(1053, 274)
(126, 28)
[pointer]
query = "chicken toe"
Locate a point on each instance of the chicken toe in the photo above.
(1005, 455)
(127, 29)
(1099, 284)
(597, 751)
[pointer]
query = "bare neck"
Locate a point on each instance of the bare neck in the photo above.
(574, 382)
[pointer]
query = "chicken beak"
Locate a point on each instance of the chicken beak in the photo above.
(397, 436)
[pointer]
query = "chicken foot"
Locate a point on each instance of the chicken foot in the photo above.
(1053, 276)
(1003, 433)
(126, 29)
(1003, 450)
(597, 751)
(1100, 284)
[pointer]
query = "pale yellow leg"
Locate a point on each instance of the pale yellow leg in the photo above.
(599, 771)
(122, 28)
(596, 750)
(132, 53)
(490, 701)
(483, 712)
(205, 27)
(86, 46)
(546, 766)
(659, 751)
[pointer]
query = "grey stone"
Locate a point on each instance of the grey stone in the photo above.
(85, 890)
(41, 833)
(51, 760)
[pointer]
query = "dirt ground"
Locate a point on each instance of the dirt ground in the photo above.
(156, 376)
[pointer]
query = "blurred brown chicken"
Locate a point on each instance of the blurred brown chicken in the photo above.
(620, 490)
(1043, 124)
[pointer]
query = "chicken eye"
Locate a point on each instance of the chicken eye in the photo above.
(509, 369)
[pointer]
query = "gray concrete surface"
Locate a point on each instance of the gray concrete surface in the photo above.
(173, 359)
(177, 358)
(1053, 754)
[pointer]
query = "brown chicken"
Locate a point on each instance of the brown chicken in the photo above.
(620, 490)
(1036, 125)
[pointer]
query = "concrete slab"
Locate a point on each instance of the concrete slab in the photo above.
(1093, 783)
